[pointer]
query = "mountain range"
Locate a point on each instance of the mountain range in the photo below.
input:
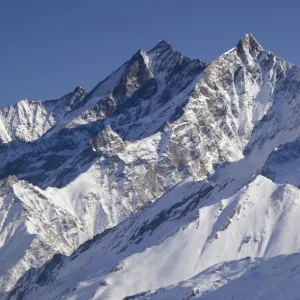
(172, 179)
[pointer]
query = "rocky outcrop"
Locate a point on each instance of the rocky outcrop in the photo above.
(108, 143)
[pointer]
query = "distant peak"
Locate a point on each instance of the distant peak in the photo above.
(21, 101)
(248, 43)
(248, 37)
(162, 45)
(138, 54)
(79, 89)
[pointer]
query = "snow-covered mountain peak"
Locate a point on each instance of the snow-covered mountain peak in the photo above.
(249, 44)
(29, 120)
(162, 45)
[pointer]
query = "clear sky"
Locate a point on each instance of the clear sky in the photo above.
(48, 47)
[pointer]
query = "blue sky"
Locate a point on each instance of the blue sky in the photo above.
(49, 47)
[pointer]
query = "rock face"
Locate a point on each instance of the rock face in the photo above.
(108, 143)
(167, 157)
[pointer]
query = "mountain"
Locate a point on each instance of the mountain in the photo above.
(158, 183)
(29, 120)
(83, 175)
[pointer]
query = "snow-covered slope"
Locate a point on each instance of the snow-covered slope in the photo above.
(33, 228)
(190, 229)
(276, 278)
(167, 159)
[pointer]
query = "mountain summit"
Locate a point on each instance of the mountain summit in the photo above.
(249, 44)
(171, 179)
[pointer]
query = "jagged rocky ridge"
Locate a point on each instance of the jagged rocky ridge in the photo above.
(159, 120)
(29, 120)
